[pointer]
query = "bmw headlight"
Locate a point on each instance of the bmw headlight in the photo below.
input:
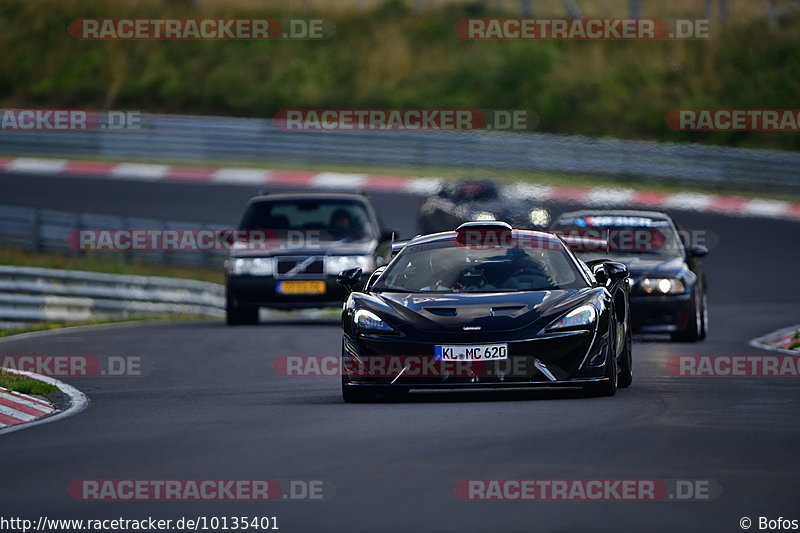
(370, 321)
(336, 263)
(251, 266)
(584, 315)
(662, 286)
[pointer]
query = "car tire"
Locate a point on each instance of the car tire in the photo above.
(240, 316)
(357, 393)
(704, 319)
(626, 364)
(695, 330)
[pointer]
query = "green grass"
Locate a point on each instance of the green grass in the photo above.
(390, 56)
(795, 344)
(107, 262)
(24, 384)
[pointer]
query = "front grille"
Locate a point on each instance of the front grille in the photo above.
(299, 267)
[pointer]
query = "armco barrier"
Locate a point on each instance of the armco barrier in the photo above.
(46, 230)
(173, 137)
(30, 294)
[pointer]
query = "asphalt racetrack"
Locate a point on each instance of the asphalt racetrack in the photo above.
(209, 405)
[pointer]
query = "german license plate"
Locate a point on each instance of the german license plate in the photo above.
(301, 287)
(472, 352)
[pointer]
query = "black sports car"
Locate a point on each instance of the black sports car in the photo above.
(308, 239)
(474, 200)
(486, 306)
(668, 293)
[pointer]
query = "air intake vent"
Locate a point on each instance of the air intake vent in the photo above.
(442, 311)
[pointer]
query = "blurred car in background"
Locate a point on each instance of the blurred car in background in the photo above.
(310, 238)
(479, 200)
(668, 286)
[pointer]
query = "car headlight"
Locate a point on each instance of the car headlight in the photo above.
(484, 215)
(251, 266)
(584, 315)
(370, 321)
(539, 217)
(662, 286)
(336, 263)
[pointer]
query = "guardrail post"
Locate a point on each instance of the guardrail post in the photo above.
(127, 256)
(573, 11)
(527, 8)
(634, 9)
(34, 218)
(773, 14)
(76, 226)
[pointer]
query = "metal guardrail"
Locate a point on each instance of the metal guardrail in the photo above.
(42, 294)
(241, 139)
(47, 230)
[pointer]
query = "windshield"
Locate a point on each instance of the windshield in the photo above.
(625, 236)
(337, 218)
(470, 192)
(444, 267)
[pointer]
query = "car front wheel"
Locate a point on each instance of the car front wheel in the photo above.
(240, 316)
(696, 329)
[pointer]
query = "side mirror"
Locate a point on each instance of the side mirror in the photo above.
(600, 274)
(349, 278)
(697, 251)
(605, 271)
(616, 271)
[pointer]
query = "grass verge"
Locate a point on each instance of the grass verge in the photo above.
(108, 262)
(24, 384)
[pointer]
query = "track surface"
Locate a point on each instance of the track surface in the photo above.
(211, 406)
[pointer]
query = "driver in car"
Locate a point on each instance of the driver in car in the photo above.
(341, 220)
(444, 273)
(525, 273)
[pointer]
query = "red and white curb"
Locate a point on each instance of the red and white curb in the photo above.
(21, 411)
(592, 196)
(17, 408)
(778, 341)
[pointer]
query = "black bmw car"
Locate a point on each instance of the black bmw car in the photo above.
(292, 248)
(486, 306)
(462, 201)
(668, 292)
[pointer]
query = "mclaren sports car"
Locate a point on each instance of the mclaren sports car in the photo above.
(485, 307)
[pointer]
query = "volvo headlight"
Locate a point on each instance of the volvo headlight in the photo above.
(251, 266)
(483, 215)
(662, 286)
(336, 263)
(370, 321)
(584, 315)
(539, 217)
